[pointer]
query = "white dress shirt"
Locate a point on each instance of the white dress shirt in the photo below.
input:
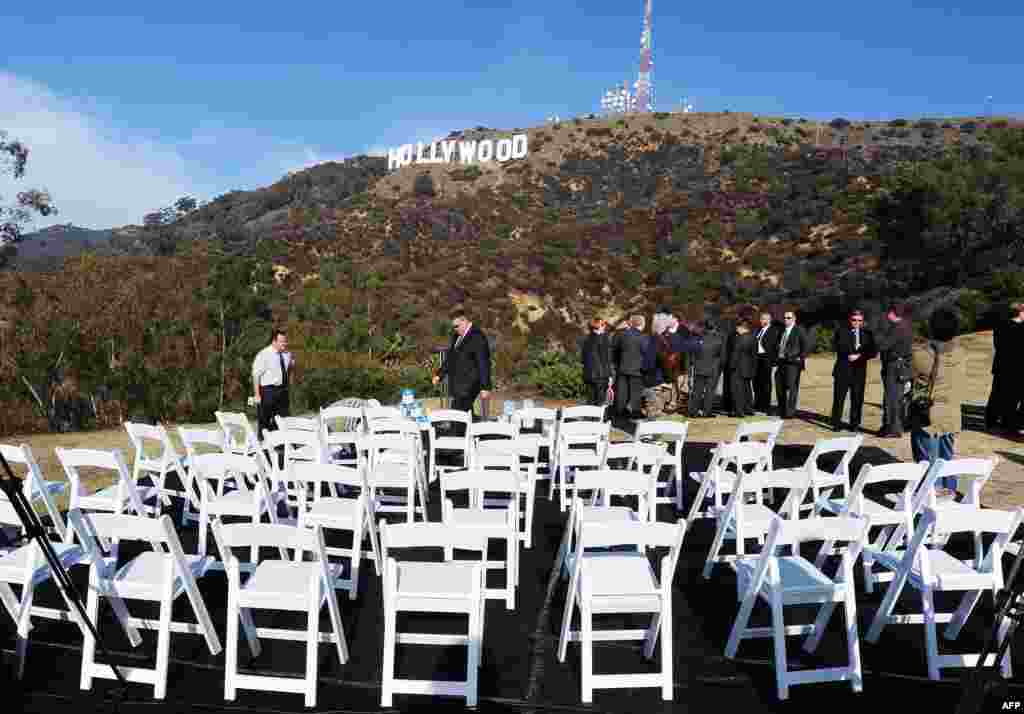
(760, 336)
(266, 368)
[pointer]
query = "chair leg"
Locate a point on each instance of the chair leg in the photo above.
(312, 640)
(666, 648)
(357, 556)
(779, 636)
(21, 653)
(473, 656)
(651, 638)
(853, 638)
(931, 639)
(820, 623)
(163, 643)
(967, 603)
(231, 647)
(587, 651)
(388, 672)
(89, 643)
(884, 611)
(716, 545)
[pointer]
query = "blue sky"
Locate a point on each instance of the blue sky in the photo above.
(132, 104)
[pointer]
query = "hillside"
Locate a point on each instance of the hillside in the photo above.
(705, 213)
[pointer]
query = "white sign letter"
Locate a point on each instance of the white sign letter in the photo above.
(485, 151)
(448, 147)
(394, 158)
(467, 150)
(519, 146)
(504, 152)
(419, 152)
(405, 154)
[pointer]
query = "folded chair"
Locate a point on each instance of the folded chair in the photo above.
(295, 585)
(160, 575)
(155, 458)
(794, 580)
(718, 481)
(622, 583)
(931, 570)
(672, 433)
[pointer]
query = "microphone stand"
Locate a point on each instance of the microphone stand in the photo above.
(12, 488)
(1009, 605)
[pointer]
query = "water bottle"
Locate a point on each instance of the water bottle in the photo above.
(509, 410)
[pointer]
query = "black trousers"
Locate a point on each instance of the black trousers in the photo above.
(787, 388)
(598, 392)
(742, 394)
(763, 384)
(273, 402)
(464, 403)
(629, 393)
(1004, 403)
(702, 393)
(852, 381)
(892, 416)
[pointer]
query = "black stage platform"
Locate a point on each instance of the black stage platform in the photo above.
(520, 670)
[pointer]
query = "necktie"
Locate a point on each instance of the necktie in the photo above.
(782, 345)
(856, 340)
(284, 370)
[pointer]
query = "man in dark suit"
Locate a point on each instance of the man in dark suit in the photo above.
(895, 344)
(467, 365)
(631, 358)
(854, 346)
(707, 347)
(1003, 402)
(767, 337)
(793, 349)
(743, 362)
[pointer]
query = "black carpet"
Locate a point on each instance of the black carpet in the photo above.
(520, 670)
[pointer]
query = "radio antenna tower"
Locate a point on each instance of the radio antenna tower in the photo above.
(644, 87)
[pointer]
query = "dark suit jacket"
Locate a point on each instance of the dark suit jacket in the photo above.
(743, 358)
(1008, 340)
(597, 358)
(468, 368)
(629, 350)
(708, 351)
(796, 348)
(842, 345)
(894, 342)
(770, 341)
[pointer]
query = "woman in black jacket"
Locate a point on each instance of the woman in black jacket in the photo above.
(597, 362)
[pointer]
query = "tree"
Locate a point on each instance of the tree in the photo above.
(13, 218)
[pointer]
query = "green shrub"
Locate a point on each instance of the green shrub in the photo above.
(823, 339)
(320, 387)
(972, 305)
(558, 375)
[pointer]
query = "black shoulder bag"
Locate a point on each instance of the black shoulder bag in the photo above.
(919, 405)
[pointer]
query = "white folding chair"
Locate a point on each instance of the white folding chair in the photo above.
(294, 585)
(286, 447)
(211, 473)
(239, 435)
(622, 584)
(931, 570)
(882, 515)
(297, 423)
(718, 481)
(119, 496)
(393, 464)
(372, 414)
(495, 523)
(196, 441)
(672, 433)
(741, 520)
(452, 419)
(509, 454)
(580, 446)
(604, 485)
(159, 575)
(766, 430)
(794, 580)
(540, 425)
(452, 587)
(156, 457)
(37, 488)
(26, 567)
(582, 412)
(353, 513)
(826, 481)
(342, 428)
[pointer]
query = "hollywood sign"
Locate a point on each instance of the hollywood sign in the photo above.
(467, 152)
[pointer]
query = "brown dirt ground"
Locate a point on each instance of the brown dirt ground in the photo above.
(1006, 489)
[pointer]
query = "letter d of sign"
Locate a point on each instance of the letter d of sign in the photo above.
(504, 152)
(485, 150)
(519, 146)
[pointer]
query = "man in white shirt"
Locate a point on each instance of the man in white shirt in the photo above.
(767, 336)
(271, 371)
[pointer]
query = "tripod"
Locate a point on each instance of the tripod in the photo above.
(11, 487)
(1009, 603)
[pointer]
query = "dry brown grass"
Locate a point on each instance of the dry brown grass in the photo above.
(1006, 489)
